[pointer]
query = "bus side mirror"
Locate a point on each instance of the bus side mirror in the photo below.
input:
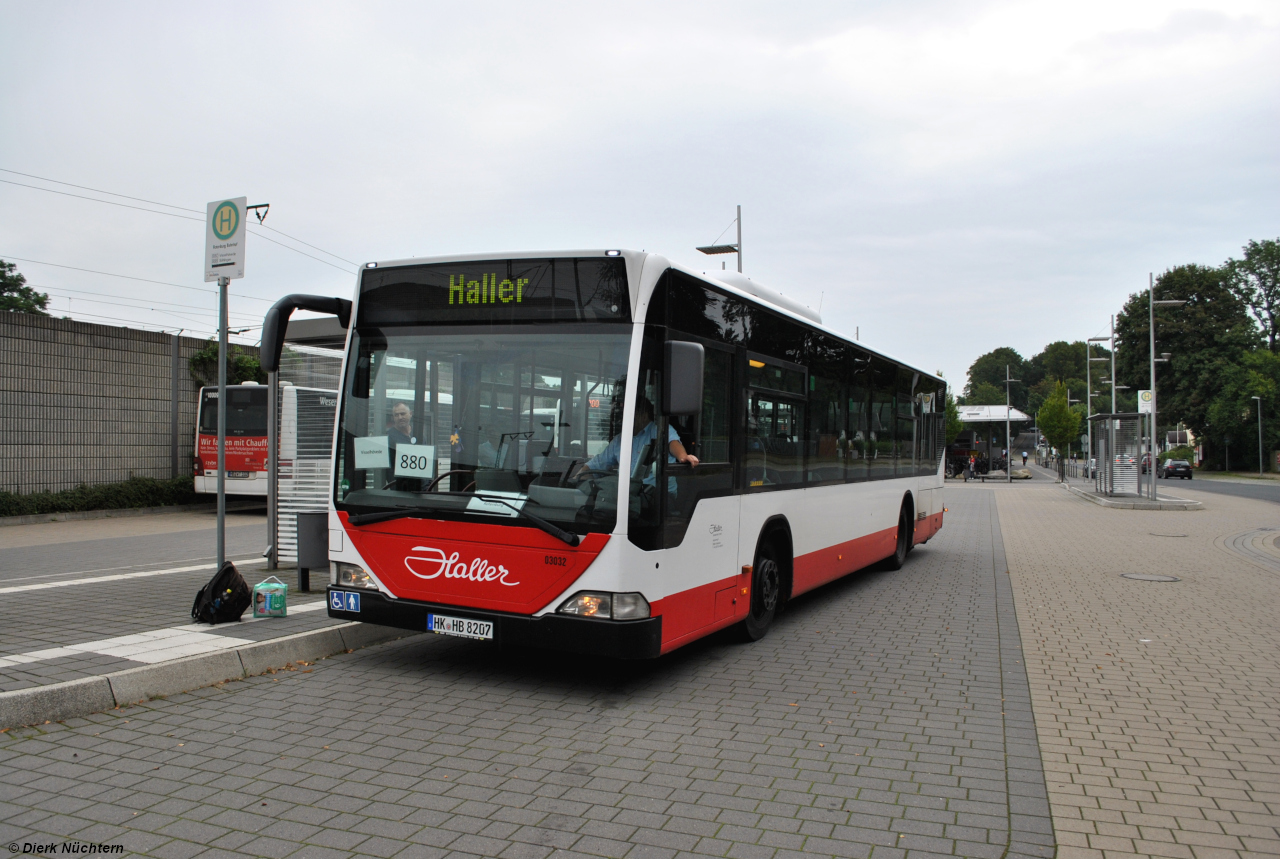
(683, 392)
(277, 320)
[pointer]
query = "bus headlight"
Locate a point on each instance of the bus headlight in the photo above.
(349, 576)
(588, 605)
(606, 606)
(630, 607)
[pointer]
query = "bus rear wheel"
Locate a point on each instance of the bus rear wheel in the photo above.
(766, 590)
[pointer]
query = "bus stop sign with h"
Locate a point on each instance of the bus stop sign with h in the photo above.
(224, 236)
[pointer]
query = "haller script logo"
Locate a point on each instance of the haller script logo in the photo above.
(434, 562)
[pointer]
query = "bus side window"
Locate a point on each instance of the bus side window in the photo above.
(905, 430)
(882, 423)
(706, 436)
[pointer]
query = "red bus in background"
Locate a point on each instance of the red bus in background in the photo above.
(246, 440)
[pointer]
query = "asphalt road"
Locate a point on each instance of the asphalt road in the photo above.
(1261, 491)
(63, 550)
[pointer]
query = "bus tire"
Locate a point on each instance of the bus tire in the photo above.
(903, 546)
(766, 592)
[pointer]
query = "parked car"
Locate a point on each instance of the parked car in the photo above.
(1176, 468)
(1146, 462)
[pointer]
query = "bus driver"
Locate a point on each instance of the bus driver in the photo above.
(644, 431)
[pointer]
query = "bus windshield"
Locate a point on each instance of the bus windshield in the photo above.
(247, 415)
(480, 422)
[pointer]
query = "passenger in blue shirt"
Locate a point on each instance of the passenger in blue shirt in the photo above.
(644, 431)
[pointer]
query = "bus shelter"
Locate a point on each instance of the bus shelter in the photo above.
(1117, 452)
(977, 439)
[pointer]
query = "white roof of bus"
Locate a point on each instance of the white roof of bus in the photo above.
(636, 264)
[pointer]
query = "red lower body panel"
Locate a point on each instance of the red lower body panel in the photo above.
(927, 527)
(826, 565)
(700, 611)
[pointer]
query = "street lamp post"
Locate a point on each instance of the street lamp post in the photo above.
(1113, 364)
(729, 249)
(1008, 460)
(1069, 402)
(1259, 399)
(1088, 375)
(1151, 331)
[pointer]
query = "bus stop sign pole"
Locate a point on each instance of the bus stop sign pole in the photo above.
(223, 283)
(224, 235)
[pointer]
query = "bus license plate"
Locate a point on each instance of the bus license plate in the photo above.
(240, 475)
(460, 626)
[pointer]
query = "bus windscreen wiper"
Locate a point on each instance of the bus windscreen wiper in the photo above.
(554, 530)
(387, 515)
(417, 513)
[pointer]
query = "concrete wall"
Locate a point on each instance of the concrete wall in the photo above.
(86, 403)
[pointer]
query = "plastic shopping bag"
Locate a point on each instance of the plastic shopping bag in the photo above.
(270, 598)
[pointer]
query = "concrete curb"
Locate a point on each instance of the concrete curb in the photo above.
(171, 677)
(45, 703)
(1134, 503)
(60, 701)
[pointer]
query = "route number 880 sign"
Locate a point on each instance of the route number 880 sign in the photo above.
(415, 460)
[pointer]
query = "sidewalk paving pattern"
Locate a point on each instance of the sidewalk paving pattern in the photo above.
(76, 608)
(1157, 704)
(870, 722)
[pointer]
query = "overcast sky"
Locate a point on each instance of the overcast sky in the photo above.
(946, 177)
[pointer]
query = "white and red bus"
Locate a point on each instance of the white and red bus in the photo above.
(246, 440)
(491, 405)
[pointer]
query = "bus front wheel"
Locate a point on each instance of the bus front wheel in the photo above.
(766, 589)
(903, 546)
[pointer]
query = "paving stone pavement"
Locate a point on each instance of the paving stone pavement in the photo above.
(59, 553)
(1157, 704)
(869, 723)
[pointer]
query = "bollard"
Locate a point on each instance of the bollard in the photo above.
(313, 545)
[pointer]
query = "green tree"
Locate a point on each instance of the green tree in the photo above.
(1059, 424)
(16, 296)
(1233, 412)
(1208, 336)
(989, 369)
(985, 394)
(954, 425)
(1255, 281)
(242, 366)
(1060, 360)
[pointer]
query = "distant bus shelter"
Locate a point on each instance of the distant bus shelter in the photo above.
(1117, 453)
(979, 422)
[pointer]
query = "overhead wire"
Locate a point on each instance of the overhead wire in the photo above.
(253, 227)
(96, 200)
(141, 279)
(170, 329)
(113, 295)
(138, 323)
(168, 214)
(203, 317)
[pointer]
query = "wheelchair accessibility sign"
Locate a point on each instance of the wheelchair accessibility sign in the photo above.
(344, 601)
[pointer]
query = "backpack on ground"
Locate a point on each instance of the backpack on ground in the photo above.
(224, 599)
